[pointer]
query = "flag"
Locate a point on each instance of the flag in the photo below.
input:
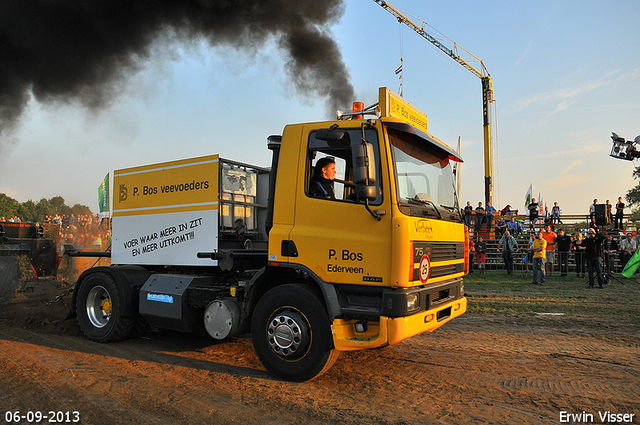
(632, 265)
(103, 198)
(399, 73)
(527, 198)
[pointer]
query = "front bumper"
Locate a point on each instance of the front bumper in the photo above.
(391, 330)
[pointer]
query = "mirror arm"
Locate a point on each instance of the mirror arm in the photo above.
(377, 214)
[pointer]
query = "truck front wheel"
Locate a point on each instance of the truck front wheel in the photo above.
(99, 309)
(291, 333)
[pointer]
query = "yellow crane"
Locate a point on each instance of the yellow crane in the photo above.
(487, 89)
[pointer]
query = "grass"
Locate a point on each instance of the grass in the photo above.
(616, 307)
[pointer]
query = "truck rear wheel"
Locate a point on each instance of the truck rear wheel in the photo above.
(99, 309)
(291, 333)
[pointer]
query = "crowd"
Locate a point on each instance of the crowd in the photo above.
(73, 229)
(537, 216)
(480, 216)
(594, 252)
(81, 230)
(14, 219)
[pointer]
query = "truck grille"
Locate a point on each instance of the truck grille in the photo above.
(438, 251)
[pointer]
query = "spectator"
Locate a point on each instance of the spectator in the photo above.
(538, 248)
(592, 211)
(555, 213)
(490, 211)
(563, 244)
(610, 248)
(546, 216)
(481, 257)
(619, 214)
(106, 241)
(520, 227)
(550, 237)
(533, 213)
(607, 213)
(513, 227)
(578, 253)
(592, 253)
(506, 210)
(70, 239)
(468, 210)
(479, 217)
(508, 245)
(529, 257)
(501, 226)
(627, 247)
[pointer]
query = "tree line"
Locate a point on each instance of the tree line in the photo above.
(633, 195)
(31, 211)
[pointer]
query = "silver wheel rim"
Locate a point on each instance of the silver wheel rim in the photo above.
(288, 333)
(99, 307)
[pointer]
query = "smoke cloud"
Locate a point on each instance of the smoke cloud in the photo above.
(79, 50)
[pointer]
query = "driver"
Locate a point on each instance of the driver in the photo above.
(321, 185)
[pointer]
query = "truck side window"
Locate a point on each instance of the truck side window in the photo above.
(343, 185)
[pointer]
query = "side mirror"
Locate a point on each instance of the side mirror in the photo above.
(364, 167)
(364, 171)
(364, 191)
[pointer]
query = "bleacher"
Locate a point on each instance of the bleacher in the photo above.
(572, 224)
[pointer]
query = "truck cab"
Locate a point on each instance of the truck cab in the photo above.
(389, 252)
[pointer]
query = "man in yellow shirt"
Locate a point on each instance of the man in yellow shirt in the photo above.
(539, 248)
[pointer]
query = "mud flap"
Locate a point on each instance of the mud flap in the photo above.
(26, 297)
(15, 273)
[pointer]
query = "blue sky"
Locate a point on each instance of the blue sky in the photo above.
(565, 73)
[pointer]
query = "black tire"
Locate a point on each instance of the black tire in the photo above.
(291, 333)
(100, 308)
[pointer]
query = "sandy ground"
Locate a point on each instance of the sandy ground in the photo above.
(475, 370)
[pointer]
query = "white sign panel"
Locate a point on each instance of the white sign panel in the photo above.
(165, 239)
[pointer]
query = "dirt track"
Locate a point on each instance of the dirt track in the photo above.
(475, 370)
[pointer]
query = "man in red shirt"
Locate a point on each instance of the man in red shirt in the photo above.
(550, 237)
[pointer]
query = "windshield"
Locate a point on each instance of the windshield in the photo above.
(423, 174)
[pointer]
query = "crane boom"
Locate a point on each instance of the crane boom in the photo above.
(487, 88)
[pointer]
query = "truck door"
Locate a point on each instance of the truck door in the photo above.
(336, 236)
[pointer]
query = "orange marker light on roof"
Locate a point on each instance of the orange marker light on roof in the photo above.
(357, 107)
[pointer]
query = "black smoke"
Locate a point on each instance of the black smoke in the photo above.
(82, 50)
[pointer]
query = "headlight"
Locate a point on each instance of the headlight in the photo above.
(413, 302)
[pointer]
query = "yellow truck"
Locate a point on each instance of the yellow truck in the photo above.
(219, 247)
